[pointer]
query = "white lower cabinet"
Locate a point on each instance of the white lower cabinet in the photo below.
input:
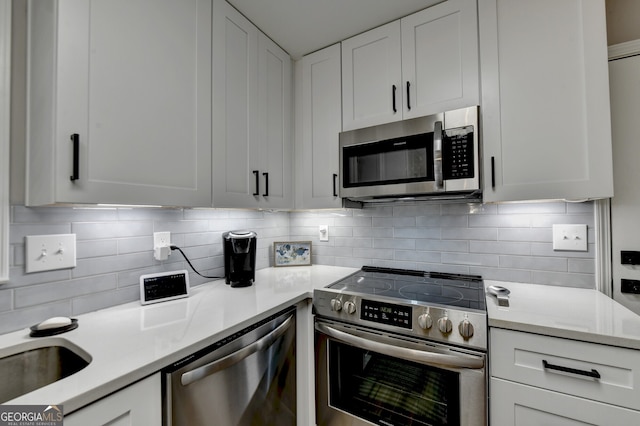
(540, 380)
(515, 404)
(137, 405)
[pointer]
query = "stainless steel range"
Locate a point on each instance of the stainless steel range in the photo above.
(397, 347)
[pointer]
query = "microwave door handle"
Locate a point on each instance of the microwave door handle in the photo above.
(423, 357)
(437, 155)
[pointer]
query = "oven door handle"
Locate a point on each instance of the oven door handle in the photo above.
(423, 357)
(234, 358)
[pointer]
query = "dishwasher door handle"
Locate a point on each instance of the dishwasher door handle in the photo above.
(424, 357)
(234, 358)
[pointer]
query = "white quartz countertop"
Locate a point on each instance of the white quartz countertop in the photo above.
(566, 312)
(130, 341)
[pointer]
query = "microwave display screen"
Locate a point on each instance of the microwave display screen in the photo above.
(400, 160)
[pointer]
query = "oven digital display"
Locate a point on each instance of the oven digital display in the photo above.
(386, 313)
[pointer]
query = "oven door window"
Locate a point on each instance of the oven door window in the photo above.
(391, 391)
(392, 161)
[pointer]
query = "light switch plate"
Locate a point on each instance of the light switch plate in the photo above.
(570, 237)
(49, 252)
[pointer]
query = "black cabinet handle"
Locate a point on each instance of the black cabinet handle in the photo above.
(335, 187)
(593, 373)
(256, 173)
(266, 183)
(393, 97)
(408, 96)
(493, 172)
(75, 140)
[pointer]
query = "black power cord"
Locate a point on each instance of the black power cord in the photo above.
(189, 262)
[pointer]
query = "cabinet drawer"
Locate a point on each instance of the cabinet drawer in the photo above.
(572, 367)
(515, 404)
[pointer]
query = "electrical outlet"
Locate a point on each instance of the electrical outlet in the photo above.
(161, 243)
(161, 239)
(49, 252)
(323, 232)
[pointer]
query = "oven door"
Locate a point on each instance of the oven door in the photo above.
(367, 377)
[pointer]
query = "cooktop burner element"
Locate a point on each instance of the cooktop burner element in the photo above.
(430, 305)
(465, 291)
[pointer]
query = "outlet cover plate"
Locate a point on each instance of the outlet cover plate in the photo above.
(161, 239)
(570, 237)
(50, 252)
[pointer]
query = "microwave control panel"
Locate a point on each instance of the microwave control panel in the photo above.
(458, 153)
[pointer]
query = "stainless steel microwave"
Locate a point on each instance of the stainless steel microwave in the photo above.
(435, 156)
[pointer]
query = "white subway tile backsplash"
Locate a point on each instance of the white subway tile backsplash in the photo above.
(534, 263)
(562, 279)
(63, 290)
(6, 300)
(96, 248)
(510, 242)
(135, 244)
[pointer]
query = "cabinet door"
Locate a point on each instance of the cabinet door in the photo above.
(274, 134)
(319, 119)
(371, 78)
(135, 87)
(440, 58)
(515, 404)
(545, 99)
(137, 405)
(236, 174)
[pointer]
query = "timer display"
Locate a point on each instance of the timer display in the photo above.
(386, 313)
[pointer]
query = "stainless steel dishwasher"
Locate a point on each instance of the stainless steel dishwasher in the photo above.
(248, 378)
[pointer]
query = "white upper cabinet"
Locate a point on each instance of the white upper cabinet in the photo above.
(422, 64)
(252, 83)
(372, 77)
(545, 100)
(127, 84)
(275, 86)
(440, 58)
(318, 123)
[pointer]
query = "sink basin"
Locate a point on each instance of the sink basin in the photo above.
(32, 365)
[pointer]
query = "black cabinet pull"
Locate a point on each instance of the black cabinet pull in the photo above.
(256, 173)
(408, 96)
(335, 188)
(266, 183)
(75, 140)
(393, 97)
(493, 172)
(593, 373)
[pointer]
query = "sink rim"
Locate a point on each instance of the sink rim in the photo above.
(46, 342)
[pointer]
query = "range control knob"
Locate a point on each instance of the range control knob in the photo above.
(444, 325)
(425, 322)
(466, 329)
(336, 305)
(350, 307)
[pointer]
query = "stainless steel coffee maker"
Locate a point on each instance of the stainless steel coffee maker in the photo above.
(239, 257)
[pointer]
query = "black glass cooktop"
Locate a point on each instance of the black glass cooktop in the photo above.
(464, 291)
